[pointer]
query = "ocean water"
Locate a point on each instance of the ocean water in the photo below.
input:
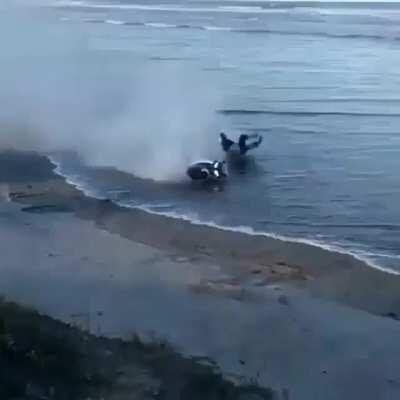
(320, 83)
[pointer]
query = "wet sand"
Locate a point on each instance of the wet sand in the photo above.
(289, 315)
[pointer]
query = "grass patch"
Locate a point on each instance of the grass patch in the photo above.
(41, 358)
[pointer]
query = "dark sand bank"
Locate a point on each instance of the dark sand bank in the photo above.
(41, 358)
(249, 258)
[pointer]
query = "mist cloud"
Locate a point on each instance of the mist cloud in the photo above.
(60, 92)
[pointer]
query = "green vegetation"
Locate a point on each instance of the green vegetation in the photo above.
(41, 358)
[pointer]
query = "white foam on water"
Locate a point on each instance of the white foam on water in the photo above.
(159, 25)
(351, 12)
(366, 257)
(363, 256)
(114, 22)
(167, 7)
(217, 28)
(241, 9)
(69, 3)
(73, 180)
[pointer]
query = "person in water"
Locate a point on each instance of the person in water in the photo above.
(242, 144)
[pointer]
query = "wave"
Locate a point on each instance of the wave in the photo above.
(248, 31)
(242, 18)
(363, 256)
(159, 58)
(134, 23)
(242, 9)
(159, 25)
(290, 176)
(94, 21)
(167, 7)
(114, 22)
(382, 226)
(339, 100)
(156, 207)
(216, 28)
(305, 113)
(74, 180)
(263, 31)
(351, 11)
(286, 8)
(192, 218)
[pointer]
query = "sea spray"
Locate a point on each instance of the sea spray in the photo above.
(64, 94)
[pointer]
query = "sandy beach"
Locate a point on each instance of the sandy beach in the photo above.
(303, 321)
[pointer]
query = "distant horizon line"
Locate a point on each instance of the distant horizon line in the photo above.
(300, 1)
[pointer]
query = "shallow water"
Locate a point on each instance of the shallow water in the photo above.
(320, 83)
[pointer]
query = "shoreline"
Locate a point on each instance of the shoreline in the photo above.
(239, 230)
(249, 259)
(246, 230)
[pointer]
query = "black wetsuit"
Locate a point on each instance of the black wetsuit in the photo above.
(242, 143)
(244, 147)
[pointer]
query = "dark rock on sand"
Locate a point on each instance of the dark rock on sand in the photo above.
(46, 208)
(283, 300)
(392, 315)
